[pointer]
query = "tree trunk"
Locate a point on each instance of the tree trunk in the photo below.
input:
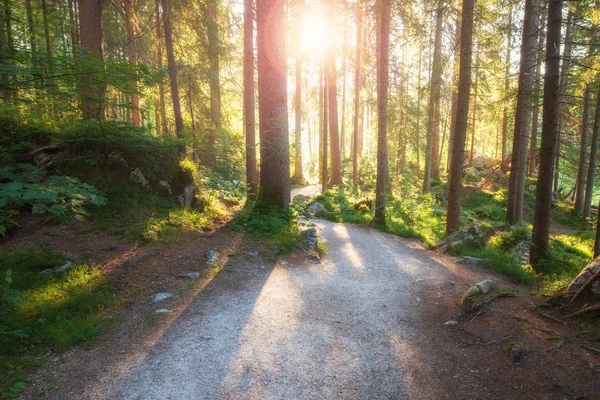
(564, 78)
(73, 26)
(597, 241)
(46, 29)
(159, 65)
(454, 107)
(383, 58)
(550, 117)
(536, 102)
(331, 77)
(92, 43)
(324, 176)
(506, 86)
(215, 91)
(525, 94)
(462, 115)
(584, 143)
(7, 47)
(271, 37)
(249, 113)
(343, 122)
(172, 72)
(134, 100)
(298, 126)
(591, 170)
(432, 160)
(357, 75)
(474, 119)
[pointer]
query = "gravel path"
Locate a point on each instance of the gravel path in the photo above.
(344, 329)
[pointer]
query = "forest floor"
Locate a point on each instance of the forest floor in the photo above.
(366, 322)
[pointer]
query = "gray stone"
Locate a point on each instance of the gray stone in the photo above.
(212, 257)
(450, 323)
(468, 260)
(187, 197)
(482, 287)
(161, 311)
(316, 208)
(158, 297)
(253, 253)
(310, 238)
(455, 239)
(65, 266)
(138, 177)
(190, 275)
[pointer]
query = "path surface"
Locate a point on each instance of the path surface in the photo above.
(311, 190)
(346, 329)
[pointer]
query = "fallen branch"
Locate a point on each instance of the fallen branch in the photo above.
(500, 340)
(552, 318)
(560, 344)
(593, 350)
(584, 310)
(586, 284)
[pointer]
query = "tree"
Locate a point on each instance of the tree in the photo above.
(212, 28)
(172, 71)
(274, 188)
(134, 100)
(432, 160)
(591, 169)
(298, 107)
(383, 9)
(525, 93)
(507, 83)
(331, 78)
(324, 126)
(161, 87)
(357, 74)
(249, 116)
(92, 43)
(536, 102)
(597, 241)
(462, 115)
(550, 117)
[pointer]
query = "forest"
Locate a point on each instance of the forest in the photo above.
(471, 126)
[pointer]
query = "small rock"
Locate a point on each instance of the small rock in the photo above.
(47, 271)
(253, 253)
(284, 263)
(191, 275)
(451, 322)
(161, 311)
(310, 238)
(313, 256)
(65, 266)
(158, 297)
(482, 287)
(211, 257)
(468, 260)
(316, 208)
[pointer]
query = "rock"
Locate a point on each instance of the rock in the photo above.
(316, 208)
(138, 177)
(65, 266)
(37, 209)
(161, 311)
(521, 251)
(187, 197)
(212, 257)
(190, 275)
(164, 188)
(253, 253)
(468, 260)
(473, 171)
(158, 297)
(482, 287)
(471, 233)
(590, 270)
(284, 263)
(310, 238)
(47, 271)
(313, 256)
(301, 198)
(450, 323)
(531, 188)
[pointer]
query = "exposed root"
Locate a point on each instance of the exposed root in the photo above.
(584, 311)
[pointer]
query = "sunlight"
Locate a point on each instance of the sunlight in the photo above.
(314, 33)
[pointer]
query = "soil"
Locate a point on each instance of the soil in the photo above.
(506, 349)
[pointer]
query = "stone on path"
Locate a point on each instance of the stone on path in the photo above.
(158, 297)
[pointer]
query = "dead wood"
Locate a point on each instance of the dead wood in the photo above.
(585, 285)
(584, 310)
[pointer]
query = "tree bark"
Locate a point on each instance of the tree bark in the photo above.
(92, 42)
(383, 58)
(432, 160)
(331, 77)
(462, 115)
(597, 241)
(564, 78)
(525, 94)
(298, 121)
(453, 109)
(249, 113)
(172, 72)
(591, 169)
(134, 100)
(324, 177)
(211, 18)
(543, 201)
(274, 188)
(159, 65)
(536, 102)
(73, 26)
(506, 86)
(357, 75)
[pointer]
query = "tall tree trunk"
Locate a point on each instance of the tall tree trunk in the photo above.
(343, 122)
(550, 117)
(454, 107)
(215, 91)
(92, 43)
(585, 127)
(525, 94)
(331, 76)
(432, 160)
(564, 78)
(271, 38)
(507, 85)
(591, 170)
(383, 58)
(172, 72)
(357, 75)
(7, 47)
(73, 26)
(46, 29)
(249, 113)
(324, 177)
(418, 127)
(31, 31)
(462, 115)
(536, 102)
(298, 122)
(134, 100)
(474, 119)
(597, 241)
(159, 65)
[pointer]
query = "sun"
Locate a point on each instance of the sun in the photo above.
(314, 33)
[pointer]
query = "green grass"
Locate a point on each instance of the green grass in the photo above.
(485, 205)
(46, 312)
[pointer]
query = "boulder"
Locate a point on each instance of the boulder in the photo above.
(315, 208)
(482, 287)
(310, 238)
(471, 233)
(585, 275)
(468, 260)
(211, 257)
(158, 297)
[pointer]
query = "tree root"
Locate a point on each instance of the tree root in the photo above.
(584, 310)
(586, 284)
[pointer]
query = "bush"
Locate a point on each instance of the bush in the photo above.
(19, 136)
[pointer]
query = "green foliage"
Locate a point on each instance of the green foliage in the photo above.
(346, 205)
(416, 216)
(19, 135)
(507, 241)
(47, 311)
(60, 196)
(484, 205)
